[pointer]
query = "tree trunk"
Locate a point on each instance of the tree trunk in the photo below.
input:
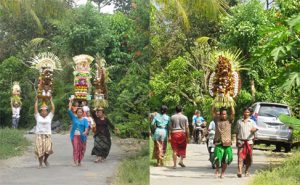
(252, 84)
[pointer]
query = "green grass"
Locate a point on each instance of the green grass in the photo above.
(286, 173)
(12, 143)
(167, 158)
(134, 170)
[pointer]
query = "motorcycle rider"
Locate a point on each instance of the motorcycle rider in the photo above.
(198, 121)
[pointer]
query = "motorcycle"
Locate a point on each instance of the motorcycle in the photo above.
(200, 131)
(211, 147)
(198, 135)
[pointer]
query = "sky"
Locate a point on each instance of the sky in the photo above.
(107, 9)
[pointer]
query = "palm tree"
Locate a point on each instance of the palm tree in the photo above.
(35, 9)
(211, 9)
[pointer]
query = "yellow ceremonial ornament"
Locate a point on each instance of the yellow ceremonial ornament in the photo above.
(46, 63)
(16, 95)
(224, 80)
(100, 93)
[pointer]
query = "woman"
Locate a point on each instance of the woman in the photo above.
(43, 142)
(78, 133)
(102, 141)
(160, 137)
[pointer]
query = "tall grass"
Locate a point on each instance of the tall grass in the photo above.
(287, 173)
(135, 170)
(12, 143)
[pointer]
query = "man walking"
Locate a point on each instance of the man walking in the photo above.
(179, 136)
(246, 128)
(222, 141)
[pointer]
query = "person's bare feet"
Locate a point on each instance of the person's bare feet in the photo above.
(75, 163)
(47, 163)
(217, 173)
(98, 160)
(40, 166)
(222, 176)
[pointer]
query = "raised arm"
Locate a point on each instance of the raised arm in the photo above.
(36, 110)
(232, 114)
(52, 105)
(70, 104)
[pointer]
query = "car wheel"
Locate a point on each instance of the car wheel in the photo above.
(287, 148)
(278, 148)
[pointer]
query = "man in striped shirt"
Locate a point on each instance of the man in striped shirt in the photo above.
(246, 128)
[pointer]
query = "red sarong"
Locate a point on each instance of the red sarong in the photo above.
(246, 150)
(178, 143)
(78, 148)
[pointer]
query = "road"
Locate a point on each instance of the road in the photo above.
(23, 170)
(198, 169)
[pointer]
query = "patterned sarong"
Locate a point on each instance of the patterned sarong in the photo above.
(178, 143)
(223, 154)
(78, 148)
(102, 146)
(43, 145)
(159, 150)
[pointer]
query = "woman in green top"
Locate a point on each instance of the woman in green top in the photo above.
(160, 137)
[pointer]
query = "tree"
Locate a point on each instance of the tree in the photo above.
(22, 21)
(185, 8)
(101, 3)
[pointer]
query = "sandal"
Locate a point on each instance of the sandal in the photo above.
(239, 175)
(181, 164)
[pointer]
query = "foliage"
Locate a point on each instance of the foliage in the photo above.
(12, 143)
(21, 21)
(209, 9)
(240, 29)
(286, 173)
(12, 70)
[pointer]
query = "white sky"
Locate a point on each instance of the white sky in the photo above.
(107, 9)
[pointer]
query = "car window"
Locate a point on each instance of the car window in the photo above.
(272, 110)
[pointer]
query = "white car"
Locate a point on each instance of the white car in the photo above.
(270, 129)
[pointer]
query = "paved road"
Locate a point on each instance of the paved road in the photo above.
(199, 171)
(23, 170)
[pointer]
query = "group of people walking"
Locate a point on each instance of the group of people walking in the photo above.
(176, 131)
(82, 123)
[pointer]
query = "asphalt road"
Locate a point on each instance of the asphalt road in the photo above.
(23, 170)
(198, 169)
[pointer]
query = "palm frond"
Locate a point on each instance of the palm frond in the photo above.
(203, 40)
(233, 56)
(36, 42)
(292, 82)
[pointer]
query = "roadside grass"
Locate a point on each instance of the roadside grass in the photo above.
(167, 157)
(12, 143)
(135, 169)
(285, 173)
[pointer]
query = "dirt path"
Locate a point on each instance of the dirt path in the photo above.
(23, 170)
(199, 171)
